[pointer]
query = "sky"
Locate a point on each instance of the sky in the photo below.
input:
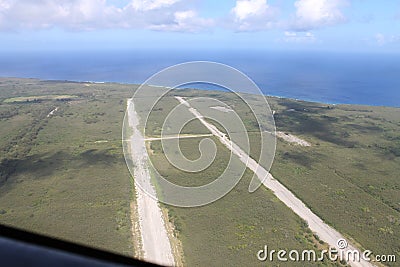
(333, 25)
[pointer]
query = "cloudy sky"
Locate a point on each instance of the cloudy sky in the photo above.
(343, 25)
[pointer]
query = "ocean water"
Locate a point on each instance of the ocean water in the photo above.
(338, 78)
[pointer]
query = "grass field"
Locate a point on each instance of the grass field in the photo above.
(40, 98)
(230, 231)
(349, 177)
(65, 175)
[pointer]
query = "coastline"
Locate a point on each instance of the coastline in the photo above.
(137, 84)
(363, 128)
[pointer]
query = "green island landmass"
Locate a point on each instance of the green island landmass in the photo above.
(64, 175)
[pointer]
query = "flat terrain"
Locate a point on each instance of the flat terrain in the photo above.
(40, 98)
(155, 243)
(315, 224)
(65, 175)
(348, 176)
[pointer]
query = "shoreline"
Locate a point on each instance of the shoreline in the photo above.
(211, 90)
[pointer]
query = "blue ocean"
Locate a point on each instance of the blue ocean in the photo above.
(337, 78)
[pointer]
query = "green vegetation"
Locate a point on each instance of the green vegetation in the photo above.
(64, 175)
(56, 177)
(349, 177)
(233, 229)
(230, 231)
(41, 98)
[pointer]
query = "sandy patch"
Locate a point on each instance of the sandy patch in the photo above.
(154, 236)
(292, 139)
(52, 112)
(101, 142)
(223, 109)
(176, 244)
(135, 229)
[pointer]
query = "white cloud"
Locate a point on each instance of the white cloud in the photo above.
(299, 37)
(145, 5)
(163, 15)
(4, 4)
(250, 15)
(187, 21)
(99, 14)
(290, 34)
(382, 39)
(309, 35)
(312, 14)
(247, 8)
(83, 14)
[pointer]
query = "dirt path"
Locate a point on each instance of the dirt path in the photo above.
(181, 136)
(154, 237)
(324, 231)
